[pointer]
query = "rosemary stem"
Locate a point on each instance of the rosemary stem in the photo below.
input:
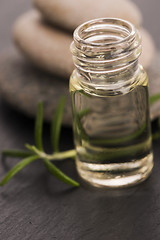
(55, 156)
(62, 155)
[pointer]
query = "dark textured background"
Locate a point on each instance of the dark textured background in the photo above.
(36, 206)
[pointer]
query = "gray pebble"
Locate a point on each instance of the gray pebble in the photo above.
(23, 86)
(71, 13)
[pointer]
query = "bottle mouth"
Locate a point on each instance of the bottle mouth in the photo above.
(105, 44)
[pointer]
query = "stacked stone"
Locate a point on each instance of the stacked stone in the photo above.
(43, 35)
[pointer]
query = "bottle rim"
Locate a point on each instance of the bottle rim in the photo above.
(105, 44)
(104, 21)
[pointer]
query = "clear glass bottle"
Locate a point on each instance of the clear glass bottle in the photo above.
(109, 91)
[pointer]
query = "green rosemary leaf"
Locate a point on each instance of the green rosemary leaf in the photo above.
(39, 126)
(155, 136)
(59, 174)
(84, 112)
(108, 155)
(16, 153)
(56, 124)
(19, 166)
(154, 98)
(78, 116)
(122, 139)
(159, 122)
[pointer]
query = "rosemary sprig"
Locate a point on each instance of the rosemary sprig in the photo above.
(56, 125)
(154, 98)
(60, 175)
(19, 166)
(16, 153)
(54, 156)
(36, 152)
(39, 127)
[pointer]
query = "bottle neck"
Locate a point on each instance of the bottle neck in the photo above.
(106, 46)
(108, 83)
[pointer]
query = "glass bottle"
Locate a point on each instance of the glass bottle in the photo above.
(109, 92)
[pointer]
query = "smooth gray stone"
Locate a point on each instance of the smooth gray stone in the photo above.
(71, 13)
(23, 86)
(45, 46)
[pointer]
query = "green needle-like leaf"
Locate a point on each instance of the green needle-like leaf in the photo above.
(154, 98)
(16, 153)
(59, 174)
(39, 126)
(159, 122)
(84, 112)
(19, 166)
(156, 136)
(56, 124)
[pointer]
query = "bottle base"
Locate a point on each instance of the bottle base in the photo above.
(116, 175)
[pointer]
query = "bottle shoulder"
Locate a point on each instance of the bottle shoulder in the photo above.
(142, 76)
(116, 84)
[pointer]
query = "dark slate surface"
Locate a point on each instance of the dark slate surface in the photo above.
(36, 206)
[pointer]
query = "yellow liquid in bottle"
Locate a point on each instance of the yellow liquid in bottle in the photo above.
(112, 133)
